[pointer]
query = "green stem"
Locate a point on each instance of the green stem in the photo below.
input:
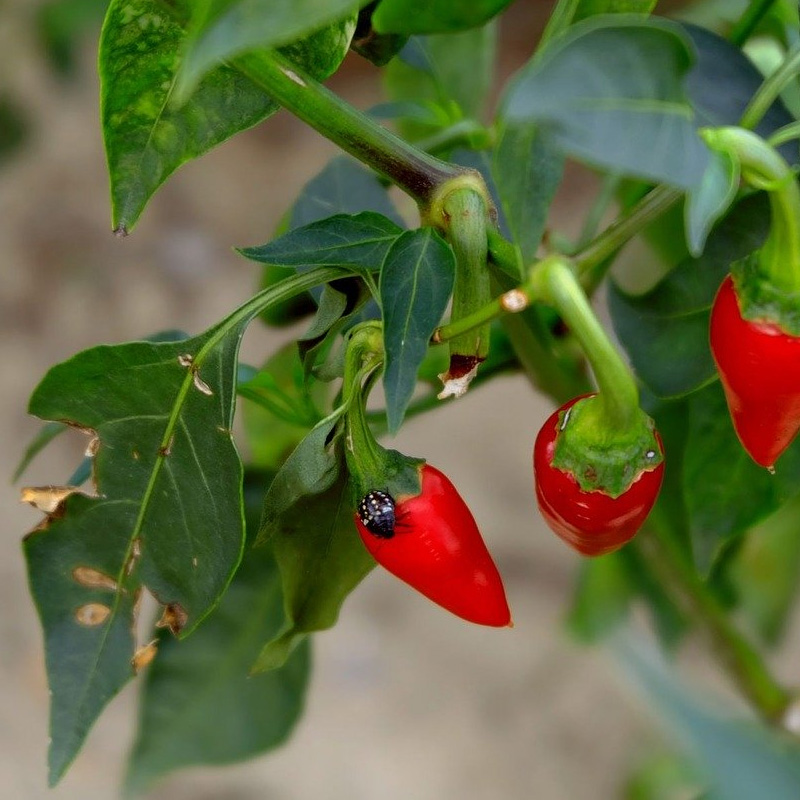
(598, 210)
(464, 213)
(417, 173)
(749, 20)
(784, 134)
(742, 661)
(560, 19)
(553, 282)
(763, 168)
(590, 261)
(769, 91)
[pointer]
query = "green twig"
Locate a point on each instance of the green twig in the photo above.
(748, 22)
(769, 91)
(741, 660)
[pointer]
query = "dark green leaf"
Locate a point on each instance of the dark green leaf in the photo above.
(199, 705)
(766, 572)
(146, 136)
(167, 513)
(416, 283)
(13, 126)
(360, 241)
(434, 16)
(665, 331)
(706, 203)
(720, 63)
(726, 491)
(527, 168)
(588, 8)
(321, 560)
(46, 435)
(168, 510)
(611, 92)
(342, 187)
(738, 759)
(312, 468)
(222, 29)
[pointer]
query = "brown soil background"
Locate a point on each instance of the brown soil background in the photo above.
(406, 701)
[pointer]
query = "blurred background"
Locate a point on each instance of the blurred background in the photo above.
(406, 701)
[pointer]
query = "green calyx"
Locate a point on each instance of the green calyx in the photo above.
(370, 465)
(602, 459)
(760, 300)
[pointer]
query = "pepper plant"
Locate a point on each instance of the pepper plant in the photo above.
(669, 499)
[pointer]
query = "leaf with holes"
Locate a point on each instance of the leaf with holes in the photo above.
(167, 513)
(207, 677)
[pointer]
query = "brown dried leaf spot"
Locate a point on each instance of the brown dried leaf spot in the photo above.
(94, 579)
(144, 655)
(174, 618)
(92, 614)
(201, 385)
(46, 499)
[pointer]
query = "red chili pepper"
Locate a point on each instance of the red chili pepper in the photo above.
(759, 365)
(431, 542)
(593, 523)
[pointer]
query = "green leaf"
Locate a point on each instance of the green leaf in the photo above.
(434, 16)
(167, 513)
(360, 241)
(741, 493)
(663, 776)
(765, 572)
(146, 136)
(199, 705)
(665, 331)
(447, 76)
(739, 759)
(312, 468)
(706, 203)
(527, 168)
(588, 8)
(321, 560)
(611, 92)
(43, 438)
(416, 283)
(720, 63)
(222, 29)
(342, 187)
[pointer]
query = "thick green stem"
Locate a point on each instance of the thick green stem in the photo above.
(464, 216)
(553, 282)
(740, 659)
(748, 22)
(771, 89)
(763, 168)
(417, 173)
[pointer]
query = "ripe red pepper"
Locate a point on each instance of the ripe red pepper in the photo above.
(431, 542)
(593, 523)
(759, 365)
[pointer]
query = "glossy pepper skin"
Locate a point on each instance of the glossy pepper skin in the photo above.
(437, 549)
(593, 523)
(759, 365)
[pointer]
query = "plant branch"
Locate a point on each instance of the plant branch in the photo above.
(749, 20)
(769, 91)
(742, 661)
(417, 173)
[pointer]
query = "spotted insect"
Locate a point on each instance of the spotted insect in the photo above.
(376, 512)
